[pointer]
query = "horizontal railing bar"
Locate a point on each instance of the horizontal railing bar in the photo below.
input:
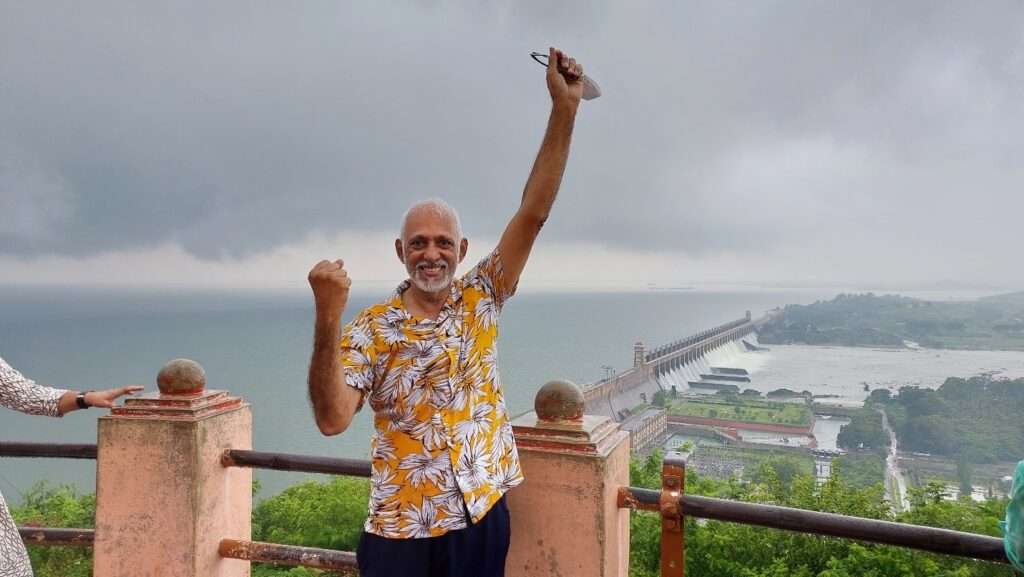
(299, 463)
(50, 450)
(933, 539)
(287, 555)
(57, 537)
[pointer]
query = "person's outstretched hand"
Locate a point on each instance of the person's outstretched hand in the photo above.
(565, 78)
(105, 399)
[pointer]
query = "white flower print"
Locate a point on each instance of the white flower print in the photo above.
(382, 483)
(506, 476)
(423, 467)
(355, 375)
(479, 423)
(503, 443)
(430, 434)
(487, 312)
(478, 505)
(386, 394)
(450, 508)
(472, 467)
(361, 336)
(489, 362)
(420, 520)
(383, 519)
(391, 331)
(383, 448)
(401, 418)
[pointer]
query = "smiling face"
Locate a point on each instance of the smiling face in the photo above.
(430, 248)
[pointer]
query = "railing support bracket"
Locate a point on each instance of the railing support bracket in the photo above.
(673, 538)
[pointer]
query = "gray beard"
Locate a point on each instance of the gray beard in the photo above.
(432, 286)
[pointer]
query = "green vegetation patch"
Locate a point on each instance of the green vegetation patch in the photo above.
(993, 323)
(719, 548)
(744, 410)
(861, 469)
(977, 418)
(864, 431)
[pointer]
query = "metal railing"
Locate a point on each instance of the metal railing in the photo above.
(288, 555)
(674, 506)
(291, 554)
(48, 450)
(52, 535)
(57, 536)
(295, 463)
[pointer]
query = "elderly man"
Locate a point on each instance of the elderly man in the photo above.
(443, 453)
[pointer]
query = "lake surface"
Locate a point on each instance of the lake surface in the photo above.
(257, 346)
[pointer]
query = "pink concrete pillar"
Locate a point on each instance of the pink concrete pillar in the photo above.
(163, 499)
(565, 516)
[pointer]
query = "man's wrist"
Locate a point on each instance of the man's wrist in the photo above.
(80, 400)
(328, 312)
(564, 107)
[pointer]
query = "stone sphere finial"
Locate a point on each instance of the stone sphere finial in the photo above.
(181, 377)
(559, 402)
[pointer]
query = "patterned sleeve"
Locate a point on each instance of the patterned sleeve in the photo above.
(490, 275)
(24, 395)
(358, 354)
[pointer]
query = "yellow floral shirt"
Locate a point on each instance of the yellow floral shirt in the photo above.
(443, 442)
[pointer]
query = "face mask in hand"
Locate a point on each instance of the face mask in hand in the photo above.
(590, 88)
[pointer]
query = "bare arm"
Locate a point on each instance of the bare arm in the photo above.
(23, 394)
(334, 402)
(565, 83)
(102, 399)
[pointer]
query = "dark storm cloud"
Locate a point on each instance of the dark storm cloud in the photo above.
(231, 129)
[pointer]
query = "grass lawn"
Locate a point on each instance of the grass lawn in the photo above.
(747, 411)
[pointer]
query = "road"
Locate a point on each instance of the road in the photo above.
(893, 476)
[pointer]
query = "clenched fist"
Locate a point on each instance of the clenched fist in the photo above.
(330, 285)
(565, 78)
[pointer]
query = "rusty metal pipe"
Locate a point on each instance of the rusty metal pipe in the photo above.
(52, 536)
(290, 462)
(932, 539)
(287, 555)
(48, 450)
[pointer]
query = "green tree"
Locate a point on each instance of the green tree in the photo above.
(45, 505)
(314, 514)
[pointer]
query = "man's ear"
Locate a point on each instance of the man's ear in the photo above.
(399, 251)
(463, 247)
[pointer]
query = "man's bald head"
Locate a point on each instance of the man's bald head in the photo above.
(435, 207)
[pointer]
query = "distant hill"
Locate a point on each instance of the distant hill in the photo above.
(991, 323)
(1008, 298)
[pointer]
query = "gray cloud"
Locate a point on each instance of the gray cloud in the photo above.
(725, 127)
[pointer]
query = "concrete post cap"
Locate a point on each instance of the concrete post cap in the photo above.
(181, 377)
(559, 401)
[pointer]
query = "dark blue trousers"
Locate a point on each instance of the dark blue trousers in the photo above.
(479, 550)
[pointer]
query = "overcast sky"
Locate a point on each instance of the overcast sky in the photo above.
(235, 144)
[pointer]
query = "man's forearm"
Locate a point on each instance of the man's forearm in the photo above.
(546, 176)
(326, 374)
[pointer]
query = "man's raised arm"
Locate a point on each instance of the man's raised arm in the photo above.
(334, 402)
(565, 84)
